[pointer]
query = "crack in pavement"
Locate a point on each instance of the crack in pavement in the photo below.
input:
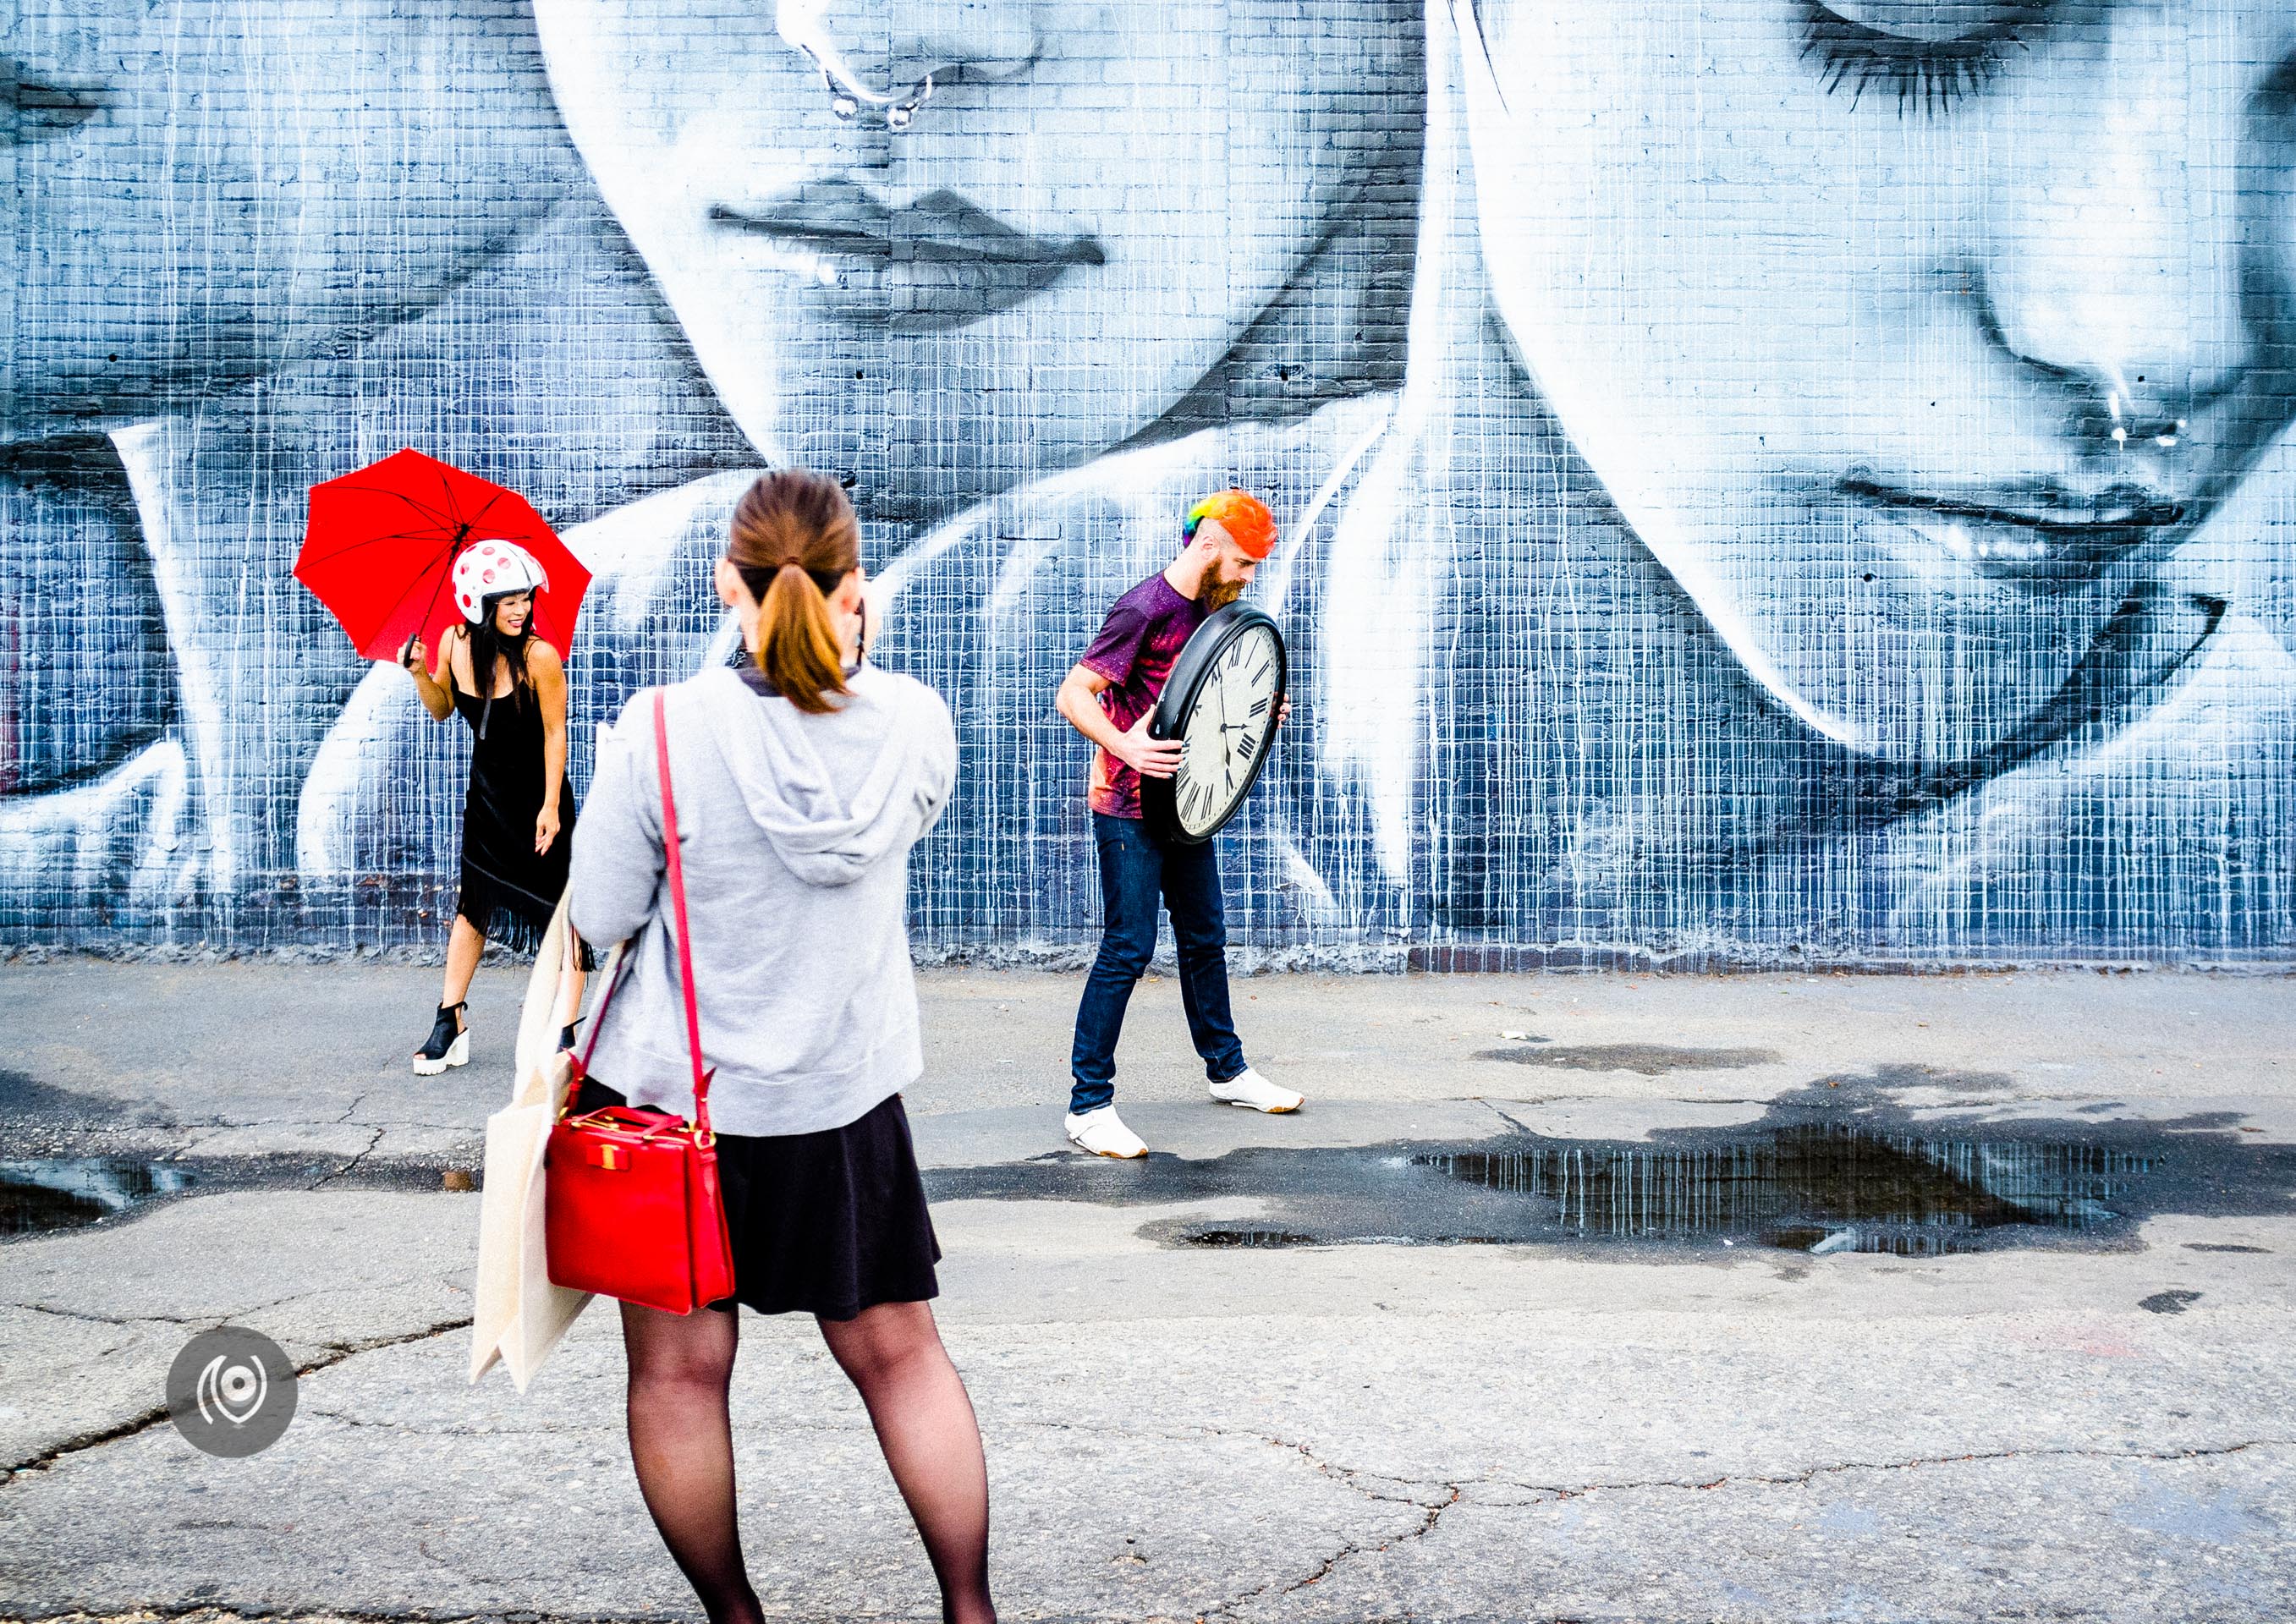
(1502, 1115)
(1345, 1476)
(205, 1321)
(1455, 1490)
(111, 1319)
(557, 1428)
(1275, 1589)
(80, 1443)
(375, 1139)
(1794, 1480)
(1434, 1514)
(1430, 1513)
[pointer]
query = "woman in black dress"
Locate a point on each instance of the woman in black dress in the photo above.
(518, 819)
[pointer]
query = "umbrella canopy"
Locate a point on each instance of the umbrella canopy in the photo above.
(379, 546)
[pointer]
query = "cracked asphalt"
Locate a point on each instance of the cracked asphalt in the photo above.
(2100, 1428)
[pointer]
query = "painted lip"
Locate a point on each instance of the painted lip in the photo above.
(2038, 534)
(933, 266)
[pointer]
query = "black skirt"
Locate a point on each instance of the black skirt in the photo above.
(827, 1223)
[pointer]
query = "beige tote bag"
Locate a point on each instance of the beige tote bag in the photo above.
(520, 1315)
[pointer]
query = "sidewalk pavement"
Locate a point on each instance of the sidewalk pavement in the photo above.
(1549, 1428)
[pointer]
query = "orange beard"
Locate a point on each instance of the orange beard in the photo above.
(1218, 594)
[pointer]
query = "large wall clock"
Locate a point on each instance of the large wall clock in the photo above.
(1221, 701)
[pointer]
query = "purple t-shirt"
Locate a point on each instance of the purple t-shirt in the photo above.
(1137, 643)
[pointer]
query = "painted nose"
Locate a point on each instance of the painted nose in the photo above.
(877, 53)
(2137, 250)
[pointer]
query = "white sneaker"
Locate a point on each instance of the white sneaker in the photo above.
(1102, 1133)
(1247, 1087)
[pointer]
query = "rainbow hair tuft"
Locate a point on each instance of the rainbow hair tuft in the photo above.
(1243, 515)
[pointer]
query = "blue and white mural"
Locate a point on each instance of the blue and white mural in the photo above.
(1761, 481)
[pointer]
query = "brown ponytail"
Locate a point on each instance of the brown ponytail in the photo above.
(794, 539)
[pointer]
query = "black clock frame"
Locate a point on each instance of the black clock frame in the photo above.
(1160, 805)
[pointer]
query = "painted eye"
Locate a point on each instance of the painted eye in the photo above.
(1928, 53)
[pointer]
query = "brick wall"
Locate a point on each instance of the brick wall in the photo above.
(1761, 482)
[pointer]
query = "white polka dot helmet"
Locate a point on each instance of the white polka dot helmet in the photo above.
(487, 568)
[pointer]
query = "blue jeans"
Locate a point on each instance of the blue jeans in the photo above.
(1133, 870)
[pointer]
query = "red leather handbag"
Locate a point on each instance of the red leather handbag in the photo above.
(631, 1207)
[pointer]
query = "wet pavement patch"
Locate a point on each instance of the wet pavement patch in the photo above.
(1644, 1059)
(42, 1192)
(27, 1103)
(2168, 1302)
(1810, 1185)
(1217, 1235)
(1901, 1074)
(1817, 1189)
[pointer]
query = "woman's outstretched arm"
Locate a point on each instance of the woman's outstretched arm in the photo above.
(432, 680)
(549, 674)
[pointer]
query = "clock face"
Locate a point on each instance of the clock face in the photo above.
(1227, 728)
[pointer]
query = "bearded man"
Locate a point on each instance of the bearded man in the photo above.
(1109, 696)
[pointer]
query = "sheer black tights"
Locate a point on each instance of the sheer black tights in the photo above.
(682, 1443)
(925, 1426)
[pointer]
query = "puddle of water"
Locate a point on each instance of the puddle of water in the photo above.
(1822, 1188)
(1817, 1184)
(42, 1192)
(1247, 1238)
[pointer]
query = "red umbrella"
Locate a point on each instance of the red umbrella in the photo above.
(380, 548)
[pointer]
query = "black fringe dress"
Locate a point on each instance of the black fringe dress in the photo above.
(509, 890)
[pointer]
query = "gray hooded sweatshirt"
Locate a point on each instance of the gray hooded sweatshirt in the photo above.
(795, 833)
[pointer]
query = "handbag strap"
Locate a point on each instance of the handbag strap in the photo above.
(598, 1014)
(677, 904)
(685, 953)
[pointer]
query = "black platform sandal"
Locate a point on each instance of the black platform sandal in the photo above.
(449, 1043)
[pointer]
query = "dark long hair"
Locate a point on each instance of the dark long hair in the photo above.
(488, 644)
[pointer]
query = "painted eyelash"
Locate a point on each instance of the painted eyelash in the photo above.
(1932, 74)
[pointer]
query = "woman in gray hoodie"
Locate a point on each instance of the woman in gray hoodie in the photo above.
(802, 780)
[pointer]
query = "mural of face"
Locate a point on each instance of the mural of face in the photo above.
(213, 191)
(235, 222)
(1910, 335)
(1047, 258)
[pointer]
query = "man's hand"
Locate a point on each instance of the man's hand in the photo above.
(1284, 712)
(1149, 758)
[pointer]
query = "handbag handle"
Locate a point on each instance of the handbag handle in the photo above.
(677, 902)
(702, 1131)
